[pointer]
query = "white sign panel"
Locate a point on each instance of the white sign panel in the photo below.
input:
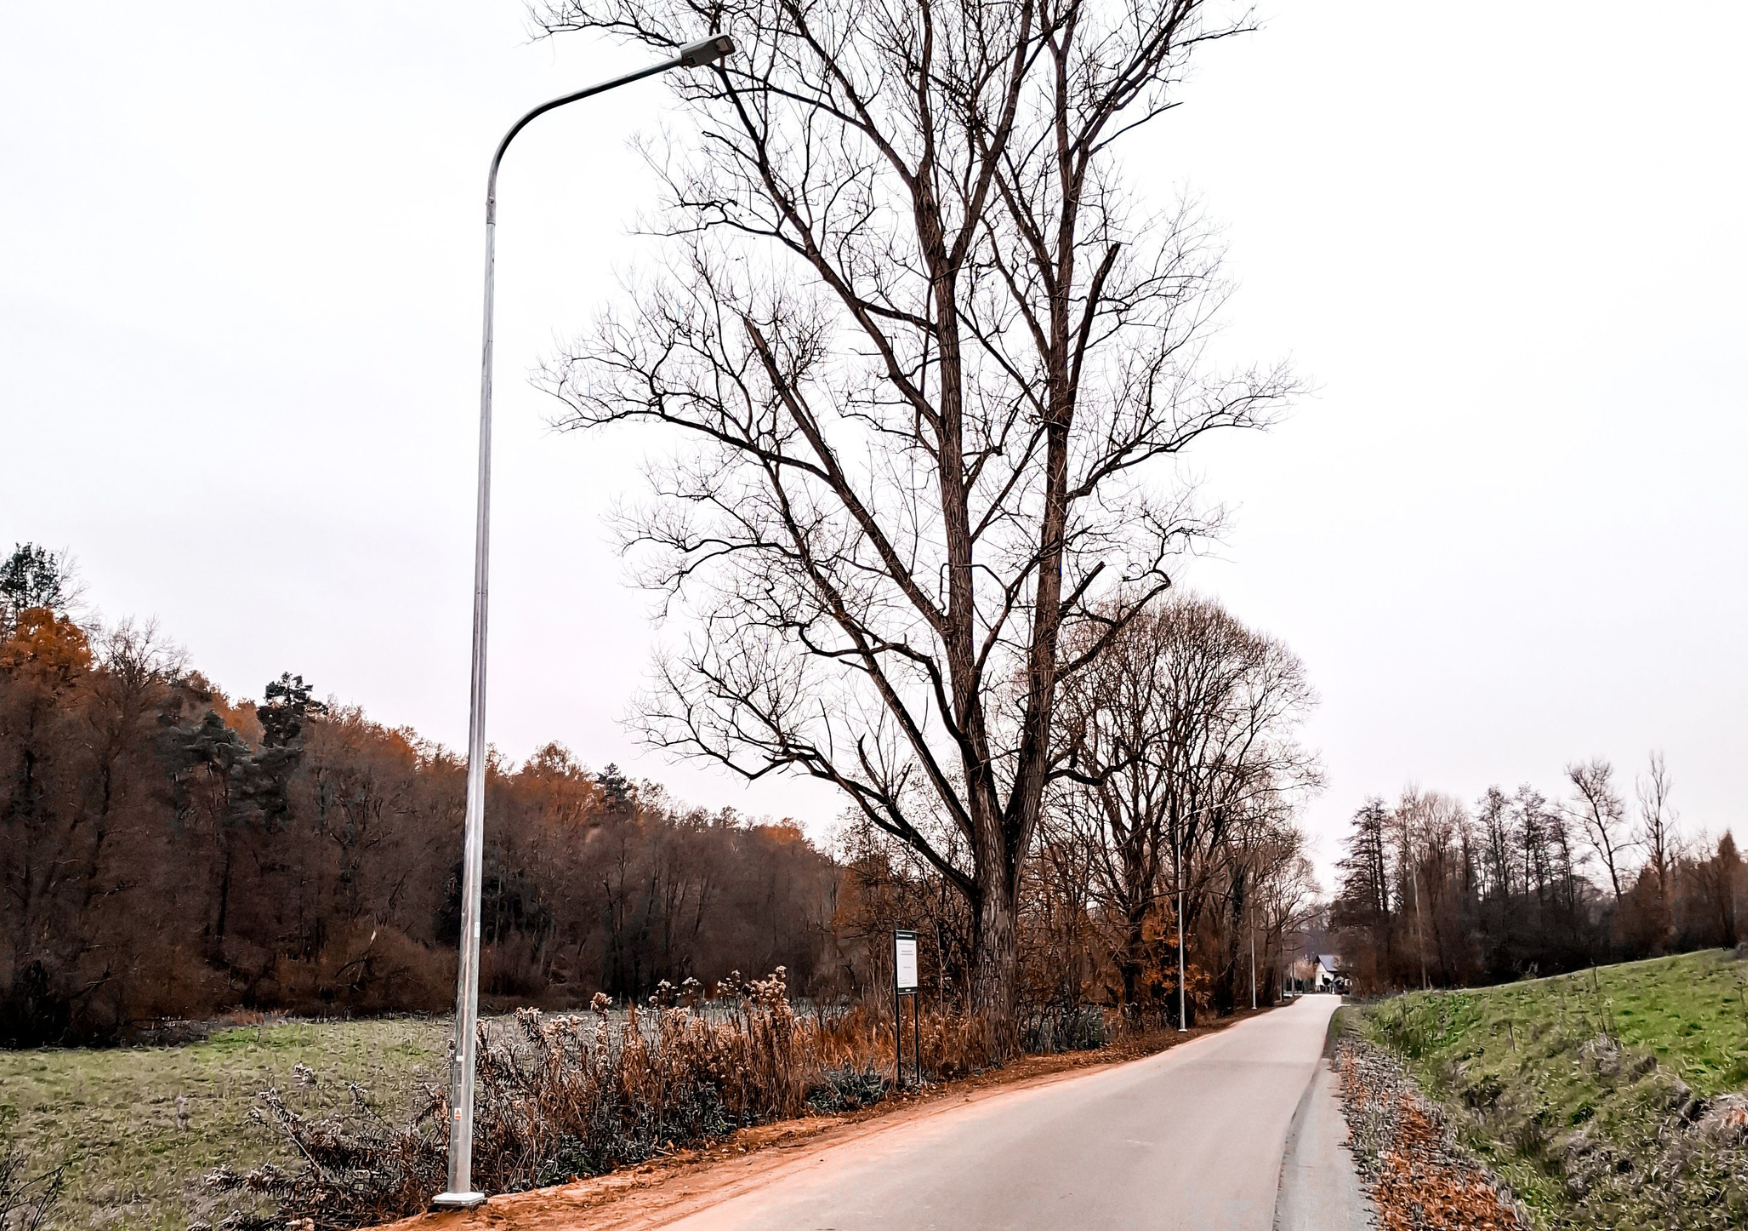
(904, 963)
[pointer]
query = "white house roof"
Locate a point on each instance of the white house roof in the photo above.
(1329, 961)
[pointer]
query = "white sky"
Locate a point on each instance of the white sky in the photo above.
(239, 295)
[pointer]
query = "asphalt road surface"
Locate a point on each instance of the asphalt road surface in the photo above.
(1192, 1138)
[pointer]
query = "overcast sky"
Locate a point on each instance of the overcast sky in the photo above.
(239, 296)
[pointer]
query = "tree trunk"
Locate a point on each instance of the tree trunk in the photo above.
(1129, 964)
(995, 967)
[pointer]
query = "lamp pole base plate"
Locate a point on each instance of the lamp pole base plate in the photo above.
(457, 1201)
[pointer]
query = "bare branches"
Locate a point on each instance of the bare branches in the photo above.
(1176, 756)
(1599, 809)
(922, 370)
(1657, 821)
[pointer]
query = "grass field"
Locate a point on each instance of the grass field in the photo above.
(1573, 1088)
(111, 1115)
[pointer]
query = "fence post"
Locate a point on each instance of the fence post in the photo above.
(897, 1041)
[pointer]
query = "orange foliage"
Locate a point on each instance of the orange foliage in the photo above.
(48, 644)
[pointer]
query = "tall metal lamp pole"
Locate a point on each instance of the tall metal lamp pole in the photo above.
(1253, 947)
(460, 1193)
(1177, 874)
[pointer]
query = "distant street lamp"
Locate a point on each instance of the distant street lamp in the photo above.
(460, 1193)
(1177, 875)
(1252, 899)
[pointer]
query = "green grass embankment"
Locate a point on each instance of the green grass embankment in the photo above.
(134, 1159)
(1586, 1092)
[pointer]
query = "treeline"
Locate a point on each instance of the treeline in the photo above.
(169, 852)
(1432, 891)
(1186, 775)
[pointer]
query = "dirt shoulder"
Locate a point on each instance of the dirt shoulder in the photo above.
(668, 1188)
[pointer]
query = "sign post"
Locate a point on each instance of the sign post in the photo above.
(904, 983)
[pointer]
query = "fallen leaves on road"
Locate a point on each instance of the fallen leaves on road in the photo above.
(1417, 1188)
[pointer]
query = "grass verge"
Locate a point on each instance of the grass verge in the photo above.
(138, 1127)
(1607, 1098)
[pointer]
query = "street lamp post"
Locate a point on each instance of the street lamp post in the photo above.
(460, 1193)
(1177, 874)
(1253, 948)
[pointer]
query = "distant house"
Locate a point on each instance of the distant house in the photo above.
(1326, 973)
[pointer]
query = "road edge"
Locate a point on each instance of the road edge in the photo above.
(1320, 1187)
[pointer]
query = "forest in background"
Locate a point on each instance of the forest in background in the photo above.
(1433, 893)
(171, 852)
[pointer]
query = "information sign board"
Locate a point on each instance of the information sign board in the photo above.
(904, 961)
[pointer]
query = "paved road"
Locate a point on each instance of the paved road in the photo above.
(1192, 1138)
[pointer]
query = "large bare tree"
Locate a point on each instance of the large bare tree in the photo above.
(1657, 822)
(926, 365)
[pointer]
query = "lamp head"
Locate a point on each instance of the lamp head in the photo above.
(706, 51)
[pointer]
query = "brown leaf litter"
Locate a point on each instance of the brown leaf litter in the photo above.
(1418, 1178)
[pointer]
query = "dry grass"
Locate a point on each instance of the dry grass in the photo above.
(660, 1190)
(135, 1128)
(575, 1095)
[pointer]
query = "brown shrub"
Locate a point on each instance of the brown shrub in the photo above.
(578, 1094)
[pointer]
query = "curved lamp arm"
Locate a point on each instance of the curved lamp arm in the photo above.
(693, 55)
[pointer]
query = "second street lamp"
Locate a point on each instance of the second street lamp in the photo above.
(460, 1192)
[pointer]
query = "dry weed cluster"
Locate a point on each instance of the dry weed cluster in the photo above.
(26, 1200)
(563, 1096)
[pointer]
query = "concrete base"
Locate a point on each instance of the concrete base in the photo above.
(457, 1201)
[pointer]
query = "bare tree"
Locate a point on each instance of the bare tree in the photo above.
(1657, 834)
(1181, 738)
(1494, 816)
(1285, 902)
(1410, 820)
(1717, 883)
(1438, 840)
(925, 366)
(1602, 813)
